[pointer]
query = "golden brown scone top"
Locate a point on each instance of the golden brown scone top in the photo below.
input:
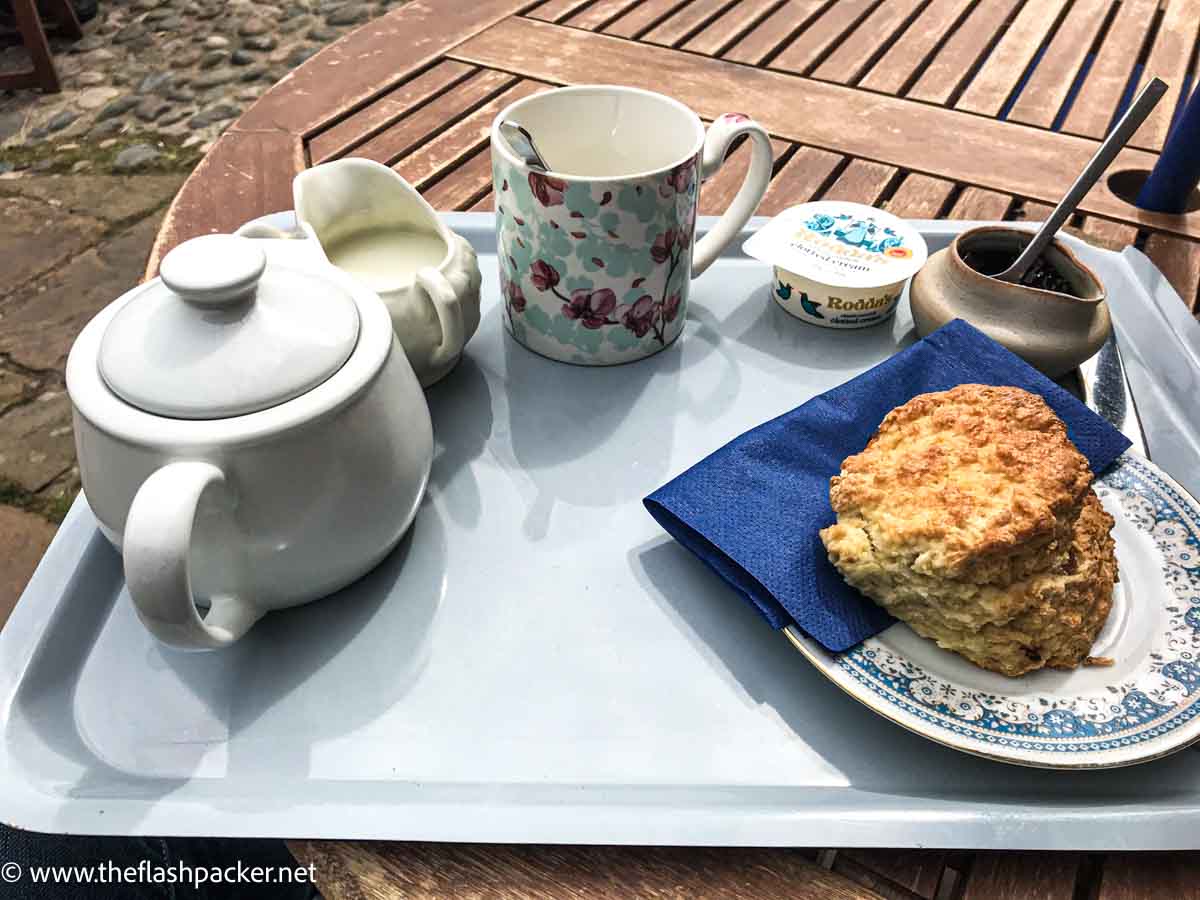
(965, 483)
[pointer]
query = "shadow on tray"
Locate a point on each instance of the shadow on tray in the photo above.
(203, 715)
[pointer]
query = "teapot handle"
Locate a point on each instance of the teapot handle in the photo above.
(449, 313)
(158, 536)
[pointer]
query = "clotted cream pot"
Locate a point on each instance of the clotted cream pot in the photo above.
(250, 434)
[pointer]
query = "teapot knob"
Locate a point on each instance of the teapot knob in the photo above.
(215, 270)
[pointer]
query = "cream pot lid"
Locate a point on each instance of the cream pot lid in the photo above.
(840, 244)
(221, 334)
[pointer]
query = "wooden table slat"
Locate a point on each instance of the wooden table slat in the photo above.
(975, 150)
(950, 66)
(775, 31)
(486, 203)
(414, 129)
(426, 871)
(469, 181)
(350, 72)
(919, 871)
(814, 42)
(1044, 94)
(244, 175)
(338, 139)
(1022, 876)
(643, 16)
(730, 26)
(920, 196)
(979, 203)
(995, 81)
(870, 39)
(557, 10)
(862, 182)
(1149, 876)
(1107, 234)
(1031, 211)
(1094, 105)
(799, 180)
(460, 141)
(1179, 260)
(718, 191)
(908, 55)
(600, 13)
(685, 22)
(1169, 59)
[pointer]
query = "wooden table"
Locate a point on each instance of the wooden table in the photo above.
(966, 109)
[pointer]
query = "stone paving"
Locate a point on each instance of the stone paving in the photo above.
(85, 177)
(71, 244)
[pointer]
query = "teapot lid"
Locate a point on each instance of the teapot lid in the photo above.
(221, 334)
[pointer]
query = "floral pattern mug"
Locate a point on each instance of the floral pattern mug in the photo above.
(596, 254)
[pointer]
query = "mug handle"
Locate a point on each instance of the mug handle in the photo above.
(158, 536)
(720, 135)
(449, 313)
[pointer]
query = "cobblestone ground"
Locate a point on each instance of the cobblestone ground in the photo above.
(85, 177)
(162, 76)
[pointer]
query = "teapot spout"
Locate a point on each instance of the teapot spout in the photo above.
(345, 196)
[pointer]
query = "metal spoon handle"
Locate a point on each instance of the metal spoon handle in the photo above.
(1105, 154)
(522, 143)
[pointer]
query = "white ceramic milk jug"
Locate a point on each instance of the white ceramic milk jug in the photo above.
(372, 224)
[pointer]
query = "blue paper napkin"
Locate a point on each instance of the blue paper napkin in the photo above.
(752, 510)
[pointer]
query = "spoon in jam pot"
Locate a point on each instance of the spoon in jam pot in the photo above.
(1105, 153)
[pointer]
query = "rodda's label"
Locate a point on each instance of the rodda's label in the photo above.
(862, 303)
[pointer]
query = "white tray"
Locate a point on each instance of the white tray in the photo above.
(537, 661)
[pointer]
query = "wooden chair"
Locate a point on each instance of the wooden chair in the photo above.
(29, 24)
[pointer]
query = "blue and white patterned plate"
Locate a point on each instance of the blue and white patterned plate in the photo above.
(1144, 706)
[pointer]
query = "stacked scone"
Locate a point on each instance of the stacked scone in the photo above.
(970, 516)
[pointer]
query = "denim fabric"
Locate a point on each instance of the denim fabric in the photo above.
(752, 510)
(28, 848)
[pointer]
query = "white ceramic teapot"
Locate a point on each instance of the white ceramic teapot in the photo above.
(250, 434)
(372, 224)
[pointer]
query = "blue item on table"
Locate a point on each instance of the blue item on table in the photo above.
(752, 510)
(1177, 171)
